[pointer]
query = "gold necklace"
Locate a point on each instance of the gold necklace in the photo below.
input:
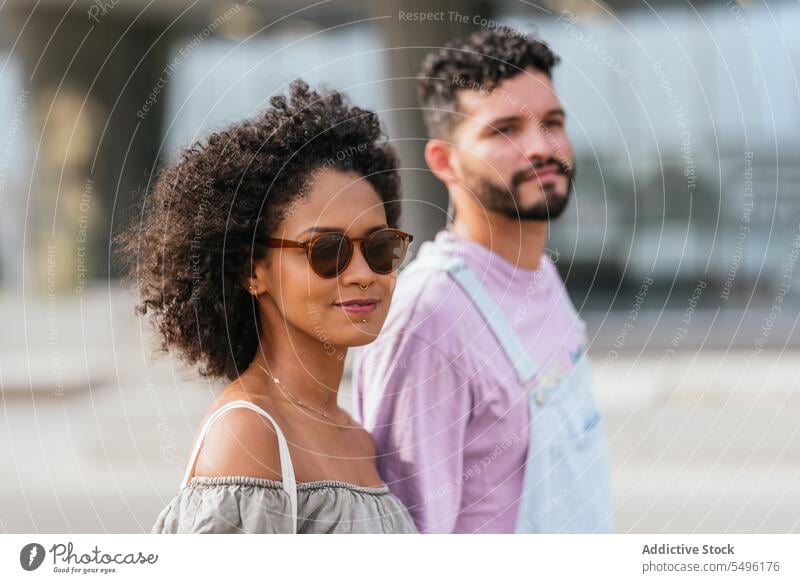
(294, 399)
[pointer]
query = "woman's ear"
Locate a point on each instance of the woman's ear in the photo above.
(250, 283)
(254, 277)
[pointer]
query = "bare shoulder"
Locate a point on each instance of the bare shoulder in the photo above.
(241, 442)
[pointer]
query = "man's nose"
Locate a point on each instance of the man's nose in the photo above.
(539, 142)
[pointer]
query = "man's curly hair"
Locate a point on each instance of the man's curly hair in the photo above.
(209, 215)
(481, 61)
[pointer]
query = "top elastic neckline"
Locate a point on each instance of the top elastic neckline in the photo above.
(275, 484)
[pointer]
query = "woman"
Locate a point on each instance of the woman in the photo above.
(263, 254)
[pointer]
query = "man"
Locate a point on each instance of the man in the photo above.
(478, 390)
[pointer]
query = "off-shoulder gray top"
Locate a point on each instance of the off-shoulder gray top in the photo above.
(244, 504)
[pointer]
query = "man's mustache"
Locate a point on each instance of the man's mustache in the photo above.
(522, 175)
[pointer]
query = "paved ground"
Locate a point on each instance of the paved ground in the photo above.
(701, 441)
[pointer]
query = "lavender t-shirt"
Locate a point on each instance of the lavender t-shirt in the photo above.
(449, 415)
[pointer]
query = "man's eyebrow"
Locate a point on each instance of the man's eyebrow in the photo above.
(514, 118)
(502, 120)
(318, 229)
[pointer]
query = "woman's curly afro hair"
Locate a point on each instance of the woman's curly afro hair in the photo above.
(209, 215)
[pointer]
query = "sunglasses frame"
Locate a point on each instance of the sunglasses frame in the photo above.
(308, 246)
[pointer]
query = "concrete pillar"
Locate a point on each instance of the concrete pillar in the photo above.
(85, 152)
(408, 41)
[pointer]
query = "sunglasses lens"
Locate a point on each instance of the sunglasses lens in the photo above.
(385, 251)
(330, 254)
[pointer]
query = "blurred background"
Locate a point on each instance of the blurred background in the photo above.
(680, 247)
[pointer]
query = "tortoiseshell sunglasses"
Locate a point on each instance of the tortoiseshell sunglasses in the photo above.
(329, 254)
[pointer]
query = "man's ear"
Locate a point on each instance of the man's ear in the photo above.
(439, 157)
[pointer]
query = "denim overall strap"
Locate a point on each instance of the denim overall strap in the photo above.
(524, 366)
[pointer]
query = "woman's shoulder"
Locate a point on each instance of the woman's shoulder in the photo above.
(241, 442)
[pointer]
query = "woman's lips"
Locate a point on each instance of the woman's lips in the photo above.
(358, 307)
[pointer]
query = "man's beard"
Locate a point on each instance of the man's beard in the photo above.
(506, 200)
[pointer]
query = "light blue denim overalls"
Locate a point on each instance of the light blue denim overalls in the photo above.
(566, 486)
